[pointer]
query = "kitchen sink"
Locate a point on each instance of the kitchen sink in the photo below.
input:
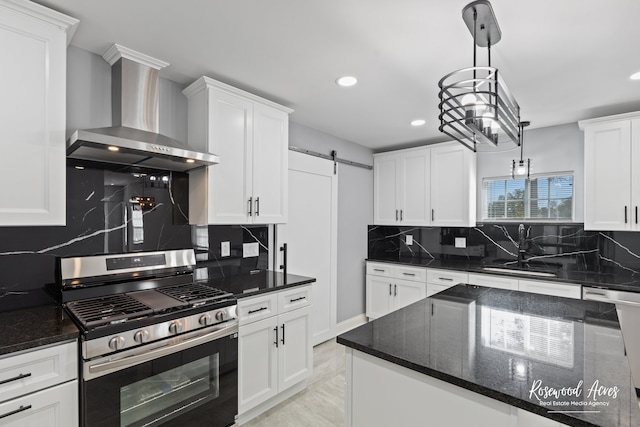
(520, 272)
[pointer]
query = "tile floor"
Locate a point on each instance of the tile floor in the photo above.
(321, 404)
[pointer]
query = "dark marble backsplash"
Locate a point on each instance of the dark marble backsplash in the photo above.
(563, 246)
(103, 217)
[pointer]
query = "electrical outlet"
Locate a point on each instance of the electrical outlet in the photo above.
(250, 249)
(225, 249)
(461, 242)
(409, 239)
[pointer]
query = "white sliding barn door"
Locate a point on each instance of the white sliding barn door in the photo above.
(311, 236)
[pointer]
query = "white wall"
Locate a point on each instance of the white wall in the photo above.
(355, 212)
(551, 149)
(89, 96)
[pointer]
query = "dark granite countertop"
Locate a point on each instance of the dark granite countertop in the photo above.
(29, 327)
(504, 344)
(620, 280)
(255, 283)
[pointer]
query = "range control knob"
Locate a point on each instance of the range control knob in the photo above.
(205, 319)
(116, 343)
(221, 316)
(141, 336)
(175, 327)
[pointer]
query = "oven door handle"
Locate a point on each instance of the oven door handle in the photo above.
(144, 354)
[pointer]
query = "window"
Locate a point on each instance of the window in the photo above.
(539, 198)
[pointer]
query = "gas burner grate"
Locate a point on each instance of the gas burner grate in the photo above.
(194, 293)
(106, 310)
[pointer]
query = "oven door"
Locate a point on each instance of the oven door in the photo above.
(192, 381)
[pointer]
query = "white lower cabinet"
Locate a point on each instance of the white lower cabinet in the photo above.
(274, 348)
(439, 280)
(493, 281)
(567, 290)
(39, 388)
(391, 287)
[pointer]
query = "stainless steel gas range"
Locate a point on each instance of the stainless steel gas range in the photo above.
(156, 348)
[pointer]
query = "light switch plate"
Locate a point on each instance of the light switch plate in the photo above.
(409, 239)
(461, 242)
(225, 248)
(250, 249)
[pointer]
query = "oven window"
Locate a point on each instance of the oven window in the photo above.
(163, 395)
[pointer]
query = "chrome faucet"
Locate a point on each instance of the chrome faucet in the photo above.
(521, 245)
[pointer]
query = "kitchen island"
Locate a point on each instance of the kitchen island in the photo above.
(489, 357)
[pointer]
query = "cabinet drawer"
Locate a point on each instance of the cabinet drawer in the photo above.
(257, 308)
(34, 370)
(415, 274)
(434, 289)
(377, 269)
(53, 407)
(567, 290)
(294, 298)
(493, 281)
(446, 277)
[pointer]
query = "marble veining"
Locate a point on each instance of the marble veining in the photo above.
(103, 216)
(565, 249)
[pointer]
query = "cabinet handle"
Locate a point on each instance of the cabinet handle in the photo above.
(250, 206)
(636, 214)
(20, 409)
(396, 214)
(433, 214)
(409, 274)
(446, 278)
(19, 377)
(297, 299)
(625, 214)
(379, 269)
(276, 342)
(257, 206)
(395, 290)
(390, 291)
(257, 310)
(283, 334)
(400, 214)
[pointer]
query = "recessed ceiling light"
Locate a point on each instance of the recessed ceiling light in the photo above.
(635, 76)
(190, 161)
(418, 122)
(112, 148)
(347, 81)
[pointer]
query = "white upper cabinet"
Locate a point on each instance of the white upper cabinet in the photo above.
(453, 186)
(612, 172)
(401, 182)
(33, 43)
(430, 185)
(251, 136)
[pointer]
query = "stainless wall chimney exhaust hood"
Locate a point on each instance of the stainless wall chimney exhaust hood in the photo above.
(134, 138)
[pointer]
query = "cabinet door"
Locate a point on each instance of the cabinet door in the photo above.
(33, 87)
(452, 332)
(295, 358)
(607, 174)
(270, 165)
(453, 190)
(414, 188)
(225, 197)
(257, 363)
(385, 184)
(379, 296)
(634, 217)
(406, 292)
(52, 407)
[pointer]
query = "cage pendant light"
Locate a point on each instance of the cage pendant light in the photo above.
(475, 103)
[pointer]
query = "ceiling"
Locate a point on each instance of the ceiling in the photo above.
(564, 60)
